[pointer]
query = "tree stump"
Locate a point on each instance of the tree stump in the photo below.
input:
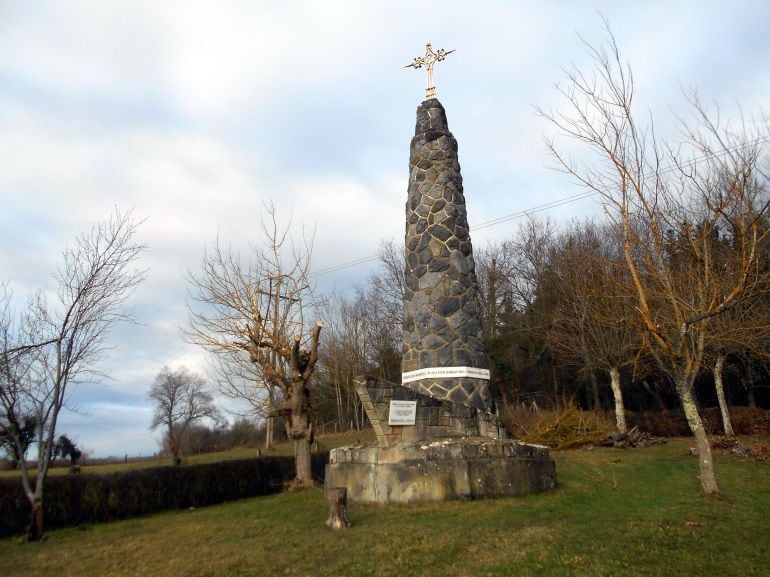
(338, 508)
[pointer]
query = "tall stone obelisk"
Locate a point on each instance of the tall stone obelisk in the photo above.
(435, 437)
(443, 343)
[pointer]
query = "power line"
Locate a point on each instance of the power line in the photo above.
(549, 205)
(344, 265)
(506, 218)
(485, 224)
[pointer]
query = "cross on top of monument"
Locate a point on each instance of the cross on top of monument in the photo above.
(428, 61)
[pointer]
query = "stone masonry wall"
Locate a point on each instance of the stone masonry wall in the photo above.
(442, 326)
(434, 418)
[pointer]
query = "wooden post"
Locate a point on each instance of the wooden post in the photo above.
(338, 508)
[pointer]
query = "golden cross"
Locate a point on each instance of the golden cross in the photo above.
(428, 61)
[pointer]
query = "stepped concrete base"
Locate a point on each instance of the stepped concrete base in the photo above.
(441, 470)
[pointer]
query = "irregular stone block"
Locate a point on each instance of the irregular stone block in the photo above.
(441, 470)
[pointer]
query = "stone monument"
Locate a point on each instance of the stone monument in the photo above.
(438, 436)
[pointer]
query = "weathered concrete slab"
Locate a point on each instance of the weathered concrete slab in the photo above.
(441, 470)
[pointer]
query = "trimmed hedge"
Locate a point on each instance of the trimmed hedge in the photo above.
(72, 500)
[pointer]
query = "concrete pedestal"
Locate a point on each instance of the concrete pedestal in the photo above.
(440, 470)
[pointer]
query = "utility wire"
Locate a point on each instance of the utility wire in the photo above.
(485, 224)
(549, 205)
(323, 298)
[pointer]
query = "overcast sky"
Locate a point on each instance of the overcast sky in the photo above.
(194, 113)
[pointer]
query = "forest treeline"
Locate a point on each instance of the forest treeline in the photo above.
(558, 324)
(558, 317)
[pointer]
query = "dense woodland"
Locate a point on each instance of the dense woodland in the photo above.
(555, 331)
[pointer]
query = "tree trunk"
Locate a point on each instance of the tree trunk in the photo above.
(338, 398)
(555, 384)
(302, 367)
(653, 390)
(747, 379)
(726, 421)
(617, 393)
(338, 509)
(304, 476)
(269, 425)
(707, 475)
(597, 403)
(301, 433)
(35, 530)
(751, 398)
(175, 453)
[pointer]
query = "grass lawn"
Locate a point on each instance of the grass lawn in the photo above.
(616, 512)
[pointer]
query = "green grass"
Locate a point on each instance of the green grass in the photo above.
(626, 513)
(286, 448)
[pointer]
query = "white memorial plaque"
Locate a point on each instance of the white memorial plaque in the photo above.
(402, 413)
(444, 372)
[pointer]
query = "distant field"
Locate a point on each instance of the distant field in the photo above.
(616, 513)
(325, 442)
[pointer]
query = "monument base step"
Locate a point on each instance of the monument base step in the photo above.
(441, 470)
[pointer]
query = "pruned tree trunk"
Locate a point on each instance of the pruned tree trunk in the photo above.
(617, 394)
(302, 434)
(254, 308)
(726, 421)
(707, 476)
(338, 509)
(303, 365)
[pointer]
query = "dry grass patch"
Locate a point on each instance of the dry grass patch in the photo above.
(562, 428)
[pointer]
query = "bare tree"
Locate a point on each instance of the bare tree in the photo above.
(383, 307)
(388, 284)
(47, 348)
(341, 359)
(180, 398)
(669, 201)
(516, 297)
(590, 324)
(364, 336)
(237, 377)
(741, 332)
(256, 308)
